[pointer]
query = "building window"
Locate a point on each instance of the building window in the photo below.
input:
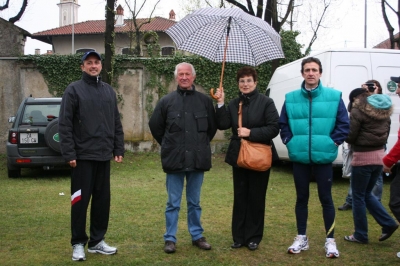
(167, 50)
(129, 51)
(84, 50)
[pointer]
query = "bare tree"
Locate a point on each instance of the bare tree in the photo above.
(135, 25)
(109, 41)
(283, 13)
(188, 6)
(393, 40)
(20, 13)
(315, 24)
(269, 11)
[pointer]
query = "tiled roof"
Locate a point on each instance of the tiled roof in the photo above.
(386, 43)
(99, 26)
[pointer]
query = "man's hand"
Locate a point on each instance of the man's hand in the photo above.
(72, 163)
(118, 159)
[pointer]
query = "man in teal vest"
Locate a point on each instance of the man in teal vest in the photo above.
(313, 123)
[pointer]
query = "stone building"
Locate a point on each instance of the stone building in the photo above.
(12, 39)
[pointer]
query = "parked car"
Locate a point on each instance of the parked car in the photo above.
(33, 140)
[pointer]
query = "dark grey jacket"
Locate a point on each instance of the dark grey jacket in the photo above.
(183, 123)
(89, 124)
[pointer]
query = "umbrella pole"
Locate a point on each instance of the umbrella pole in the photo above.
(223, 61)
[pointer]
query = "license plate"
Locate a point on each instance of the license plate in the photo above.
(28, 138)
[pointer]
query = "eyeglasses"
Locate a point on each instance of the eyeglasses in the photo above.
(244, 81)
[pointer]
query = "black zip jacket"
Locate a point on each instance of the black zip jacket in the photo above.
(89, 124)
(259, 114)
(183, 123)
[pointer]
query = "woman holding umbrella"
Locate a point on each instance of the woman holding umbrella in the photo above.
(260, 124)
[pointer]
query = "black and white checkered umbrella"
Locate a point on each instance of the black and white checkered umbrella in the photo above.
(206, 31)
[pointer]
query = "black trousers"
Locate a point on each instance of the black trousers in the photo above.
(249, 190)
(323, 176)
(394, 201)
(90, 179)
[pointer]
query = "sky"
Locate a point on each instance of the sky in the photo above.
(345, 27)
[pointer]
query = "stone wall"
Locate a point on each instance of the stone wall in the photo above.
(20, 81)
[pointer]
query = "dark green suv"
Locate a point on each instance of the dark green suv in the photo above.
(33, 140)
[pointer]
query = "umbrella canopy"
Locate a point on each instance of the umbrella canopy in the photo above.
(206, 31)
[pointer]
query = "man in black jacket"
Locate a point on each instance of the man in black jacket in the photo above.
(183, 123)
(90, 136)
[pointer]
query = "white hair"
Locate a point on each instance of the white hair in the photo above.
(181, 64)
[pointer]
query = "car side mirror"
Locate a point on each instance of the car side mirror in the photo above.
(11, 119)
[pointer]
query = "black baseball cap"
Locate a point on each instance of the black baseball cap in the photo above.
(395, 79)
(90, 53)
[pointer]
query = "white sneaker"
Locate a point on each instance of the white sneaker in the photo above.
(78, 252)
(300, 243)
(330, 248)
(103, 248)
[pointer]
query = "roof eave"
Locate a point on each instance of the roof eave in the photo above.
(45, 39)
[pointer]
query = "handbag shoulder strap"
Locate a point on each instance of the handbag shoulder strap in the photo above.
(240, 114)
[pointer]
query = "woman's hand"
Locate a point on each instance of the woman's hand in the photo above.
(243, 132)
(364, 86)
(220, 95)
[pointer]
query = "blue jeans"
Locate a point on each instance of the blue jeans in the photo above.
(174, 184)
(376, 191)
(363, 180)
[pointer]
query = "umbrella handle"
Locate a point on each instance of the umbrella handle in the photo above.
(212, 92)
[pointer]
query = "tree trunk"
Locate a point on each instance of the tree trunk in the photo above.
(109, 49)
(387, 23)
(398, 21)
(5, 6)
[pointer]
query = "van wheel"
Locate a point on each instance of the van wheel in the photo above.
(51, 136)
(12, 173)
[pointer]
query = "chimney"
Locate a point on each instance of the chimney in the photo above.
(172, 15)
(37, 51)
(119, 18)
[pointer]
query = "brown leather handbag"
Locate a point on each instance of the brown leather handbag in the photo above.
(253, 155)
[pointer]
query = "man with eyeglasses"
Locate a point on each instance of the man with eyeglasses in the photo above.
(313, 123)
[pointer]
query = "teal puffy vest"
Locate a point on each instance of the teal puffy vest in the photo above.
(312, 118)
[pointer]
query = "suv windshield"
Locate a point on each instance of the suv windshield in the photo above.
(38, 113)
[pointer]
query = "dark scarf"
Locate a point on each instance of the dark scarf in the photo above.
(245, 98)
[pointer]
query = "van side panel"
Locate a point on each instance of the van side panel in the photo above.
(385, 66)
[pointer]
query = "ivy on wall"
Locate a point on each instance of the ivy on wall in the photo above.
(60, 70)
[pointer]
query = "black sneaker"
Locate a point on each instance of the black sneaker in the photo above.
(236, 245)
(345, 207)
(252, 246)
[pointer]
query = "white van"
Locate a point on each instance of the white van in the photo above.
(344, 70)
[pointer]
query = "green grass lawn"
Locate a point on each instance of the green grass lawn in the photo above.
(35, 220)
